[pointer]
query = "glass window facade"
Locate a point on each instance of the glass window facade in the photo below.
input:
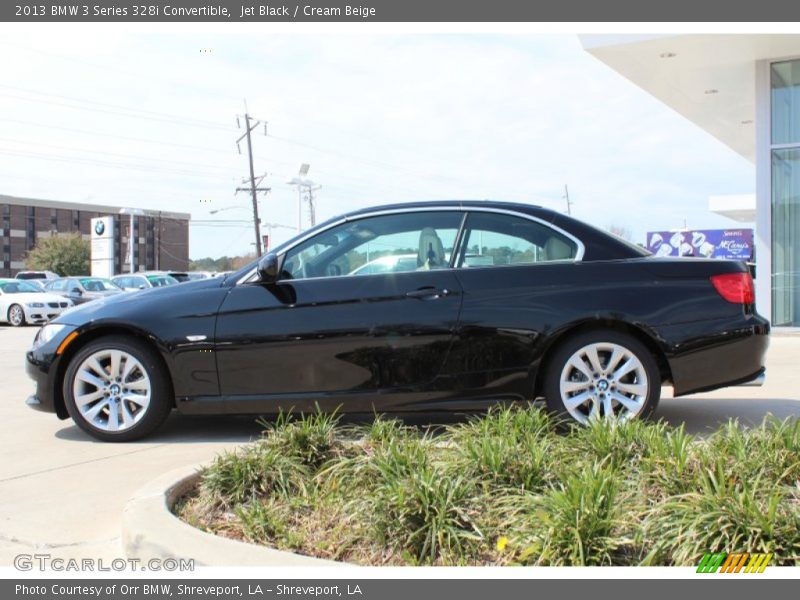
(785, 155)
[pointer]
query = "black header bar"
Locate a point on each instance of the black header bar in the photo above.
(333, 11)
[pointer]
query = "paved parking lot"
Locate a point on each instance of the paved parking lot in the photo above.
(62, 493)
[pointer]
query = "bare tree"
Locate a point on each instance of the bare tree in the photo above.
(620, 231)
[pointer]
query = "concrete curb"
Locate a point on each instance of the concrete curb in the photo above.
(150, 530)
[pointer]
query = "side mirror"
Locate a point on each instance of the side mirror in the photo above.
(268, 268)
(76, 292)
(141, 286)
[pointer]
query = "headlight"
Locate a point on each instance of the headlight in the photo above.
(47, 333)
(36, 304)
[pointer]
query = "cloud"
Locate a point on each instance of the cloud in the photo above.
(379, 118)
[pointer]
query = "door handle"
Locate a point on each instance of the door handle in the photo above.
(430, 293)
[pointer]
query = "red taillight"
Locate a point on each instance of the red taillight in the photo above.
(735, 287)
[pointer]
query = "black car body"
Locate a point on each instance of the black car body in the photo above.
(456, 334)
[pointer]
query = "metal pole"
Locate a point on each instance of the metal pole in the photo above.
(130, 245)
(256, 220)
(566, 195)
(299, 208)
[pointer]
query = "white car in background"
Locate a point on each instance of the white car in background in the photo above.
(22, 302)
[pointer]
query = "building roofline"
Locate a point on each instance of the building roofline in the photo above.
(100, 208)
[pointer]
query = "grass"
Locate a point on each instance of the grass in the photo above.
(509, 488)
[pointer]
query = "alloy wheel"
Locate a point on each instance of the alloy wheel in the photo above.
(603, 381)
(112, 390)
(16, 316)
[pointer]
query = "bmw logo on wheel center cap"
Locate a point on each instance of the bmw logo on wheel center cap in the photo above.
(114, 390)
(602, 385)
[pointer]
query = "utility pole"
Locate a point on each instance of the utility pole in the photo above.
(312, 213)
(253, 188)
(307, 187)
(566, 196)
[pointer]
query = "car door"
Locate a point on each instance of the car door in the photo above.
(324, 334)
(58, 286)
(75, 292)
(517, 274)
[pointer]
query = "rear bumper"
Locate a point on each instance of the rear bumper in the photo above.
(707, 355)
(757, 382)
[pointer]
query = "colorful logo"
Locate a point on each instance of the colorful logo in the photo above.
(744, 562)
(99, 227)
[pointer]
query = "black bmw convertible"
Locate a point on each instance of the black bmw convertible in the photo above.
(435, 306)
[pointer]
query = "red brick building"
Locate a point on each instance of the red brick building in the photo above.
(163, 236)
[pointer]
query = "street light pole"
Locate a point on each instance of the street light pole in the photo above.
(133, 212)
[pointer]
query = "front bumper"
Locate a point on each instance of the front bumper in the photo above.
(41, 365)
(41, 315)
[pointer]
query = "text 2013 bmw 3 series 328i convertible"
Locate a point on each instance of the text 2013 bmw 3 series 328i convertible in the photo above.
(488, 302)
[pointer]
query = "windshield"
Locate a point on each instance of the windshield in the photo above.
(96, 284)
(18, 287)
(161, 280)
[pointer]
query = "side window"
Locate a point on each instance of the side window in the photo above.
(493, 240)
(377, 245)
(58, 285)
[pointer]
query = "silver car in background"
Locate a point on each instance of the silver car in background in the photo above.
(83, 289)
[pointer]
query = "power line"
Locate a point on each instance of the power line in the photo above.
(117, 136)
(106, 153)
(113, 165)
(112, 68)
(124, 112)
(189, 120)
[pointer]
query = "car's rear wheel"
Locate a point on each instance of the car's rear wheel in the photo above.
(16, 315)
(117, 389)
(602, 375)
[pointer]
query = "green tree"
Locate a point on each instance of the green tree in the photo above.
(66, 254)
(211, 264)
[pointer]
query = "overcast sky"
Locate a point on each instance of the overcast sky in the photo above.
(149, 120)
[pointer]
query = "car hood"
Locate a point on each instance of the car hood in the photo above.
(26, 297)
(102, 294)
(113, 305)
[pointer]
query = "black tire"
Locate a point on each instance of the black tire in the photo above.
(566, 349)
(21, 313)
(161, 396)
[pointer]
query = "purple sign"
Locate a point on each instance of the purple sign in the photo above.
(732, 244)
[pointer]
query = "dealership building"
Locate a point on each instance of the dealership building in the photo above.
(745, 91)
(162, 237)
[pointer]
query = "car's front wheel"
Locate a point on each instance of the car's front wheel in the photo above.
(117, 389)
(602, 375)
(16, 315)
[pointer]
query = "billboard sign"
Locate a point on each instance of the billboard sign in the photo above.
(730, 244)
